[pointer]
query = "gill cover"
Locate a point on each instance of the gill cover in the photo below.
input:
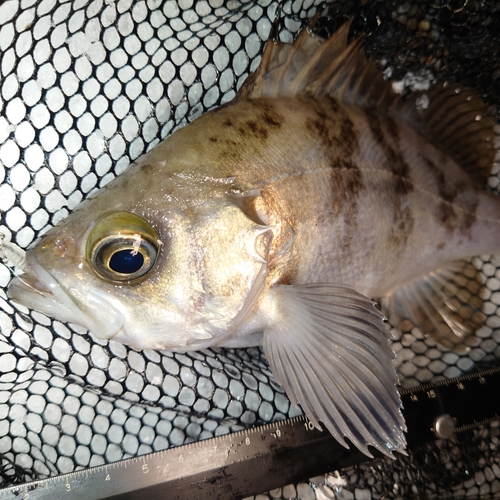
(229, 266)
(122, 248)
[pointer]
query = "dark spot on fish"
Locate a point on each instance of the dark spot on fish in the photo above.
(455, 212)
(385, 133)
(287, 278)
(245, 130)
(393, 129)
(231, 144)
(317, 126)
(265, 122)
(272, 119)
(440, 246)
(257, 130)
(447, 216)
(145, 166)
(269, 115)
(469, 218)
(333, 127)
(231, 154)
(403, 223)
(241, 130)
(347, 184)
(393, 153)
(334, 104)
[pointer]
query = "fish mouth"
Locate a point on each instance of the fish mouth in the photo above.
(38, 289)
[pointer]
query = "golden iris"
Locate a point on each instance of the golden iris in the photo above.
(122, 247)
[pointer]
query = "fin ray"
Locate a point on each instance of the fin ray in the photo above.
(445, 311)
(329, 349)
(359, 377)
(457, 122)
(317, 67)
(451, 117)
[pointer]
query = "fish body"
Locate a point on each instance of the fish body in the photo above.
(372, 203)
(274, 220)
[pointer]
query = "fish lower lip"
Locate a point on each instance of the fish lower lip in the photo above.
(31, 283)
(38, 289)
(32, 293)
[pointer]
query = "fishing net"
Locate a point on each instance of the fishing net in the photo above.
(88, 86)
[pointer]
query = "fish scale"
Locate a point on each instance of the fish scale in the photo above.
(62, 330)
(204, 263)
(375, 159)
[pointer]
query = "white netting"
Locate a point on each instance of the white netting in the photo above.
(87, 87)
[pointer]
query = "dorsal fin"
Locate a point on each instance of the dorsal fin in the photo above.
(452, 118)
(317, 67)
(456, 121)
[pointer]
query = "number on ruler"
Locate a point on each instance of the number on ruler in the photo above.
(145, 468)
(247, 441)
(432, 394)
(68, 487)
(309, 426)
(108, 477)
(461, 386)
(278, 433)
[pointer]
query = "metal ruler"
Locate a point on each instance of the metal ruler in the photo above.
(451, 406)
(266, 457)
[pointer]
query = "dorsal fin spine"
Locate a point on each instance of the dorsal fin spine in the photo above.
(452, 118)
(342, 78)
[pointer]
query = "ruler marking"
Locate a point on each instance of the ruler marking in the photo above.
(196, 463)
(447, 382)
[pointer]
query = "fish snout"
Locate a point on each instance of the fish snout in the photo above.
(39, 289)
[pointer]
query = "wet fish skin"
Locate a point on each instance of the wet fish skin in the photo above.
(278, 217)
(388, 206)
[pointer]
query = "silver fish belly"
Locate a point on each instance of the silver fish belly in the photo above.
(275, 220)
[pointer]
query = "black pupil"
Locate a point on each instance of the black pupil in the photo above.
(125, 262)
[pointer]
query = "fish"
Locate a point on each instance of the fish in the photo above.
(278, 219)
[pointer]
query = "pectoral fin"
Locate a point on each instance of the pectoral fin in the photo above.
(445, 304)
(329, 348)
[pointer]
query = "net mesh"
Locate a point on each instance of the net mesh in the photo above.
(88, 86)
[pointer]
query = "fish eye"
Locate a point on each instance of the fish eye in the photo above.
(126, 262)
(122, 248)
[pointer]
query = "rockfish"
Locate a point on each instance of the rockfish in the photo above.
(276, 219)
